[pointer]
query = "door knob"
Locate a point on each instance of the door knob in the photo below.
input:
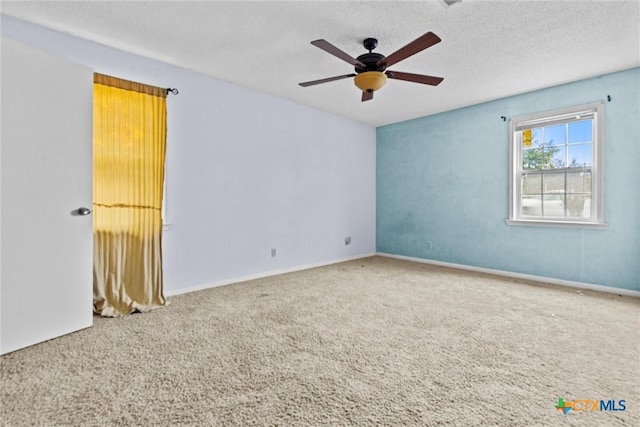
(83, 211)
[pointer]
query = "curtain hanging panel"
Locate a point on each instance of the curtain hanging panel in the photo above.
(128, 160)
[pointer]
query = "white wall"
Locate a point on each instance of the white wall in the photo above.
(245, 171)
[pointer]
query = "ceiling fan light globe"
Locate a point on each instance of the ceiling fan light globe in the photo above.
(370, 80)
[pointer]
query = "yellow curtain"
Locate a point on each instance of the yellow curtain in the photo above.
(128, 163)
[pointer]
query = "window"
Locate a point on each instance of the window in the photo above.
(556, 168)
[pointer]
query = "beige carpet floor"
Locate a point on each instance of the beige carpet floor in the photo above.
(370, 342)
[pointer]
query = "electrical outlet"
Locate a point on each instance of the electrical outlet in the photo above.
(273, 252)
(347, 240)
(429, 244)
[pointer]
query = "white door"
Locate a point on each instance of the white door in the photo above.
(46, 169)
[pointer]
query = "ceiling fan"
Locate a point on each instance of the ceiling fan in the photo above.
(371, 68)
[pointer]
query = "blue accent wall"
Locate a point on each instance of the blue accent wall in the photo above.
(442, 189)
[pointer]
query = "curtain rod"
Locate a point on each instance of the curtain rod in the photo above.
(172, 90)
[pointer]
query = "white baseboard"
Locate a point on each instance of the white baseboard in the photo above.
(550, 280)
(262, 275)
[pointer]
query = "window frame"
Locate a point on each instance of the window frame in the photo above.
(547, 118)
(165, 221)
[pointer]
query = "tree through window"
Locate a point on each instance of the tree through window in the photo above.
(555, 167)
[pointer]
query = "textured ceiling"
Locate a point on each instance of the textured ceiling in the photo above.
(489, 49)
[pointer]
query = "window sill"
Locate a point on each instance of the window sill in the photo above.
(556, 224)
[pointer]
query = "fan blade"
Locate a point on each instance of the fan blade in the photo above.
(416, 78)
(327, 80)
(329, 48)
(366, 95)
(419, 44)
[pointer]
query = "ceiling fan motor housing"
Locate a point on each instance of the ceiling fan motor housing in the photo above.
(370, 60)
